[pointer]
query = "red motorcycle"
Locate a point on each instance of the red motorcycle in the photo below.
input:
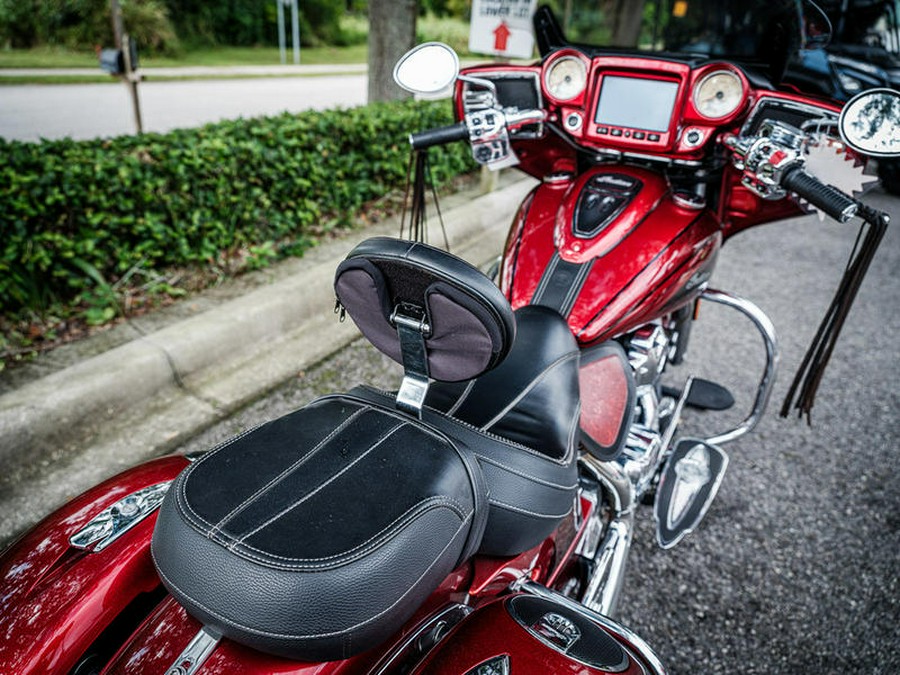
(476, 521)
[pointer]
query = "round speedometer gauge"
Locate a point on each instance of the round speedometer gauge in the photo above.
(718, 94)
(566, 78)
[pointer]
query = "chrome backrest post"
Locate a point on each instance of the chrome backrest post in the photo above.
(412, 333)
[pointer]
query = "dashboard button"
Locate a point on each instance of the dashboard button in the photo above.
(616, 132)
(653, 137)
(602, 131)
(639, 135)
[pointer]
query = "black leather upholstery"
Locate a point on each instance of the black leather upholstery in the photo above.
(520, 420)
(532, 398)
(317, 535)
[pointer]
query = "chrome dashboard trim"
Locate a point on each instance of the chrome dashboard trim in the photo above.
(813, 111)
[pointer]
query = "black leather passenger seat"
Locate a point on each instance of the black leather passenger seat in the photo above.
(318, 535)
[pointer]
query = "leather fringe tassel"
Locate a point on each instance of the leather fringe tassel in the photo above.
(812, 369)
(418, 176)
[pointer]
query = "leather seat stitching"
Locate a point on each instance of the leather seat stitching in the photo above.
(223, 445)
(523, 474)
(202, 523)
(321, 486)
(462, 397)
(487, 434)
(359, 551)
(527, 390)
(574, 428)
(510, 507)
(286, 472)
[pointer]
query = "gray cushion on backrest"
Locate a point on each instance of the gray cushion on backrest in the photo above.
(471, 323)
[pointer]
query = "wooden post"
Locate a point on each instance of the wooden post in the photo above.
(123, 44)
(489, 180)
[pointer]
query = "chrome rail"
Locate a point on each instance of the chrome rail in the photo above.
(609, 557)
(767, 330)
(632, 640)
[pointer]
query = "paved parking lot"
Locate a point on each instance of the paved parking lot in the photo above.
(30, 112)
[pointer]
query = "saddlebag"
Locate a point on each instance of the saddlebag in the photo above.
(317, 535)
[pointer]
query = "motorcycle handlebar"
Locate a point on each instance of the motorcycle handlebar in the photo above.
(439, 136)
(832, 201)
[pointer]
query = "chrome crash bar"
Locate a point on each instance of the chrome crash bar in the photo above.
(767, 330)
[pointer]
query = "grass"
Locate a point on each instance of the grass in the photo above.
(59, 57)
(47, 57)
(455, 32)
(258, 56)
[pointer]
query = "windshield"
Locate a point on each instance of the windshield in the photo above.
(872, 23)
(747, 30)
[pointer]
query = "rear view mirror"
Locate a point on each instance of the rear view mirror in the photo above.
(870, 122)
(427, 69)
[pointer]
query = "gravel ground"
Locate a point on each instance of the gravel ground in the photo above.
(795, 568)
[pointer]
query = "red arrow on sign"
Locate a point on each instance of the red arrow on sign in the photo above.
(501, 36)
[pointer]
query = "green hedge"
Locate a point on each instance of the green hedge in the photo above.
(78, 215)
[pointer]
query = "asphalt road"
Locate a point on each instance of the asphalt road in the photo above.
(795, 568)
(81, 111)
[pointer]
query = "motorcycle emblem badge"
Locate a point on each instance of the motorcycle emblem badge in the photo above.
(556, 629)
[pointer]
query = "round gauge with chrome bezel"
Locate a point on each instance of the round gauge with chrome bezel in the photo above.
(718, 94)
(566, 78)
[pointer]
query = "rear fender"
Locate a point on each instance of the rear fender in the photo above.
(57, 600)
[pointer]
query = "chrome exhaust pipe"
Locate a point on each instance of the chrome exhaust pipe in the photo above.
(602, 592)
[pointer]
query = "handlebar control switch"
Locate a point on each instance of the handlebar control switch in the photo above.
(765, 159)
(489, 138)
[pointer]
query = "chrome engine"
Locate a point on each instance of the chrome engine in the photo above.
(622, 483)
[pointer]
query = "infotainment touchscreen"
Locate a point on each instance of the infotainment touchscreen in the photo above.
(636, 103)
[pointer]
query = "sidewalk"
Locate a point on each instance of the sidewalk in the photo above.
(165, 383)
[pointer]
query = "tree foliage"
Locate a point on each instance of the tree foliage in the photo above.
(83, 23)
(160, 24)
(75, 212)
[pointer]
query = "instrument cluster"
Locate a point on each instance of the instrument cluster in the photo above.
(641, 105)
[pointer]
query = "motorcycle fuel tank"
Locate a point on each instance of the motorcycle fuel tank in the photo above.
(610, 250)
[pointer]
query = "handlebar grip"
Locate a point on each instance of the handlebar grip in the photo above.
(439, 136)
(831, 200)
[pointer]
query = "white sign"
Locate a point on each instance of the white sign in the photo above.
(502, 28)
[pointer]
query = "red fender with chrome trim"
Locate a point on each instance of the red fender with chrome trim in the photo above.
(57, 600)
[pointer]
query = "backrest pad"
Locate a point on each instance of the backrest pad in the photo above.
(470, 323)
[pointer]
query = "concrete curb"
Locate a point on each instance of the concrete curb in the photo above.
(154, 392)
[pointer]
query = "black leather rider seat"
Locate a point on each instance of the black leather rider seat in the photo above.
(520, 420)
(317, 535)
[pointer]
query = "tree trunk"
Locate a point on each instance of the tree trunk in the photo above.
(626, 18)
(392, 32)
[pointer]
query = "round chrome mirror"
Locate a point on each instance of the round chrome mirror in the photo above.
(427, 69)
(870, 122)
